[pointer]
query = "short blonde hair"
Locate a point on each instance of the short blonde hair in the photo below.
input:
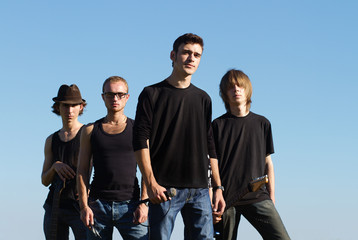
(114, 79)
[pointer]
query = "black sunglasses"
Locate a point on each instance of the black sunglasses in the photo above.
(119, 95)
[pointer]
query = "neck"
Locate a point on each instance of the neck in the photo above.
(239, 110)
(69, 130)
(69, 126)
(115, 118)
(179, 81)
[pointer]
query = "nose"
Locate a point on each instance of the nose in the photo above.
(238, 89)
(70, 109)
(191, 57)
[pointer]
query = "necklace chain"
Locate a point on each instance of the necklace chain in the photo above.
(124, 120)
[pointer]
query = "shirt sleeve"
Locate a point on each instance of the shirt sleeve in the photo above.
(143, 121)
(211, 143)
(269, 139)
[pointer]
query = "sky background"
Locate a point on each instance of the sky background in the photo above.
(301, 57)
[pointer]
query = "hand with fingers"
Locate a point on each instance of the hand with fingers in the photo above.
(218, 205)
(64, 171)
(141, 214)
(87, 217)
(157, 194)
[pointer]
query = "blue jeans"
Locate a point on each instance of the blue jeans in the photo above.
(195, 207)
(109, 214)
(262, 215)
(67, 218)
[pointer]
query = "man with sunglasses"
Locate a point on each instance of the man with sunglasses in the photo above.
(114, 191)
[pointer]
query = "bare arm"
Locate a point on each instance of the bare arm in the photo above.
(271, 177)
(47, 171)
(154, 190)
(218, 199)
(141, 213)
(144, 194)
(83, 174)
(49, 168)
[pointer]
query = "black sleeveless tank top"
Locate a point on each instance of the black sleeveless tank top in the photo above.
(66, 152)
(114, 164)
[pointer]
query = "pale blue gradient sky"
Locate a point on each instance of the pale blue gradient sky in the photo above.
(300, 55)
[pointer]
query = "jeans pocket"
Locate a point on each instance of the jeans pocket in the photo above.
(93, 202)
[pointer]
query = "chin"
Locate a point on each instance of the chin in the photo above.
(191, 72)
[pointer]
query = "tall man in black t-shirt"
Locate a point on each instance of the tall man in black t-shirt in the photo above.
(61, 157)
(114, 191)
(244, 146)
(173, 139)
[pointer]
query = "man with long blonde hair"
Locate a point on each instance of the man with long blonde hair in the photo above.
(244, 146)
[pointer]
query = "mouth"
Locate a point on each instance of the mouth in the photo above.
(189, 65)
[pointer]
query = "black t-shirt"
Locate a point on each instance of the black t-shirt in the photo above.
(114, 164)
(178, 124)
(242, 144)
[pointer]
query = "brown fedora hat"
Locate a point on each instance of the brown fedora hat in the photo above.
(69, 94)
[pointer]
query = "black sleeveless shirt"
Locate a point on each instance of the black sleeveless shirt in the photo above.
(114, 164)
(66, 152)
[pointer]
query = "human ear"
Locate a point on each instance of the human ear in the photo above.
(173, 55)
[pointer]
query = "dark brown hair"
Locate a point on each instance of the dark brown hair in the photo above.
(56, 108)
(187, 38)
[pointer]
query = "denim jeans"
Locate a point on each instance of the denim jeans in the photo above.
(195, 208)
(67, 218)
(109, 214)
(262, 215)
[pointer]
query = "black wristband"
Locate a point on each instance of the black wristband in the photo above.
(219, 187)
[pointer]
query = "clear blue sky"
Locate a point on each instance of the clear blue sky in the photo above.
(300, 55)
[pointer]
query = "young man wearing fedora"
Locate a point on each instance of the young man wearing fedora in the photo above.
(59, 168)
(114, 197)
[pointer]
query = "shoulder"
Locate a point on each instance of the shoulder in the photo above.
(154, 87)
(81, 128)
(49, 139)
(96, 123)
(260, 121)
(260, 118)
(88, 128)
(48, 145)
(150, 92)
(130, 121)
(200, 91)
(225, 116)
(221, 122)
(222, 117)
(53, 137)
